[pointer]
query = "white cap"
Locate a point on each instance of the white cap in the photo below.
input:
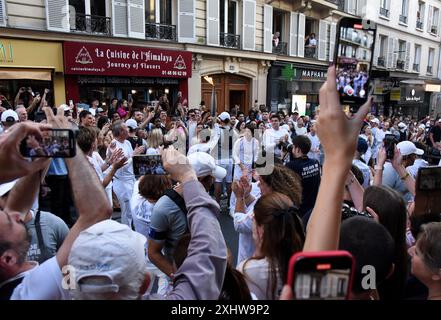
(9, 113)
(224, 116)
(6, 187)
(406, 148)
(439, 120)
(422, 127)
(205, 165)
(107, 249)
(375, 120)
(401, 125)
(100, 110)
(131, 123)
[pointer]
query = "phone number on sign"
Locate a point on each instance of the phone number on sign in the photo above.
(220, 309)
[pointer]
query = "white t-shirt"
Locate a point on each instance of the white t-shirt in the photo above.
(44, 282)
(315, 147)
(200, 147)
(257, 278)
(301, 131)
(272, 137)
(126, 172)
(141, 211)
(249, 151)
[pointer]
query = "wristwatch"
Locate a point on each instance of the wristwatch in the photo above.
(378, 167)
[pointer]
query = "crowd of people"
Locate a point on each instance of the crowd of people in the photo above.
(290, 183)
(352, 83)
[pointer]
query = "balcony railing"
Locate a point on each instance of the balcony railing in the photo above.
(281, 48)
(91, 24)
(381, 62)
(229, 40)
(419, 24)
(416, 67)
(403, 19)
(384, 12)
(339, 3)
(310, 52)
(160, 31)
(429, 69)
(400, 64)
(434, 29)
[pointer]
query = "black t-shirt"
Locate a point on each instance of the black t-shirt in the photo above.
(436, 131)
(7, 289)
(135, 142)
(309, 171)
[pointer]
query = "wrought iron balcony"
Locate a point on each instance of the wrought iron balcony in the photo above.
(400, 64)
(403, 19)
(429, 69)
(229, 40)
(416, 67)
(281, 48)
(91, 24)
(339, 3)
(381, 62)
(310, 52)
(160, 31)
(419, 24)
(384, 12)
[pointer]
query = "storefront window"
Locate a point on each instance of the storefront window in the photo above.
(10, 88)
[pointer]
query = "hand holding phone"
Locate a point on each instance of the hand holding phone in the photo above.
(323, 275)
(353, 57)
(390, 141)
(148, 164)
(53, 143)
(428, 191)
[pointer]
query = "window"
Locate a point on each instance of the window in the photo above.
(383, 52)
(228, 16)
(417, 58)
(158, 11)
(435, 21)
(430, 60)
(384, 8)
(404, 10)
(401, 54)
(89, 16)
(420, 15)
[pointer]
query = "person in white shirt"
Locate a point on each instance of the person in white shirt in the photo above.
(300, 127)
(245, 153)
(87, 140)
(124, 178)
(207, 142)
(273, 136)
(418, 163)
(314, 153)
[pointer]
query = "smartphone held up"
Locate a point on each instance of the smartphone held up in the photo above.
(353, 58)
(148, 164)
(54, 143)
(323, 275)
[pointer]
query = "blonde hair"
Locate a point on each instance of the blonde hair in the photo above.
(155, 138)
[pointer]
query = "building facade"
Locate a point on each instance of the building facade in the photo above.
(266, 51)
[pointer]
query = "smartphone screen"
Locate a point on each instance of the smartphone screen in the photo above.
(355, 43)
(148, 164)
(389, 142)
(429, 179)
(54, 143)
(325, 275)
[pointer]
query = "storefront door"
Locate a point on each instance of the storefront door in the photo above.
(230, 90)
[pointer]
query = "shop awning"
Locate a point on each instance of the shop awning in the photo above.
(28, 74)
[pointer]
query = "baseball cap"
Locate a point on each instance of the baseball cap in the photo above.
(406, 148)
(402, 125)
(107, 249)
(224, 116)
(422, 127)
(205, 165)
(9, 116)
(375, 120)
(100, 110)
(362, 145)
(439, 120)
(6, 187)
(131, 123)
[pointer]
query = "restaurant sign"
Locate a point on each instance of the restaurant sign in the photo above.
(114, 60)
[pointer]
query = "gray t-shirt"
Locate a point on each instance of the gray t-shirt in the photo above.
(53, 230)
(393, 180)
(167, 224)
